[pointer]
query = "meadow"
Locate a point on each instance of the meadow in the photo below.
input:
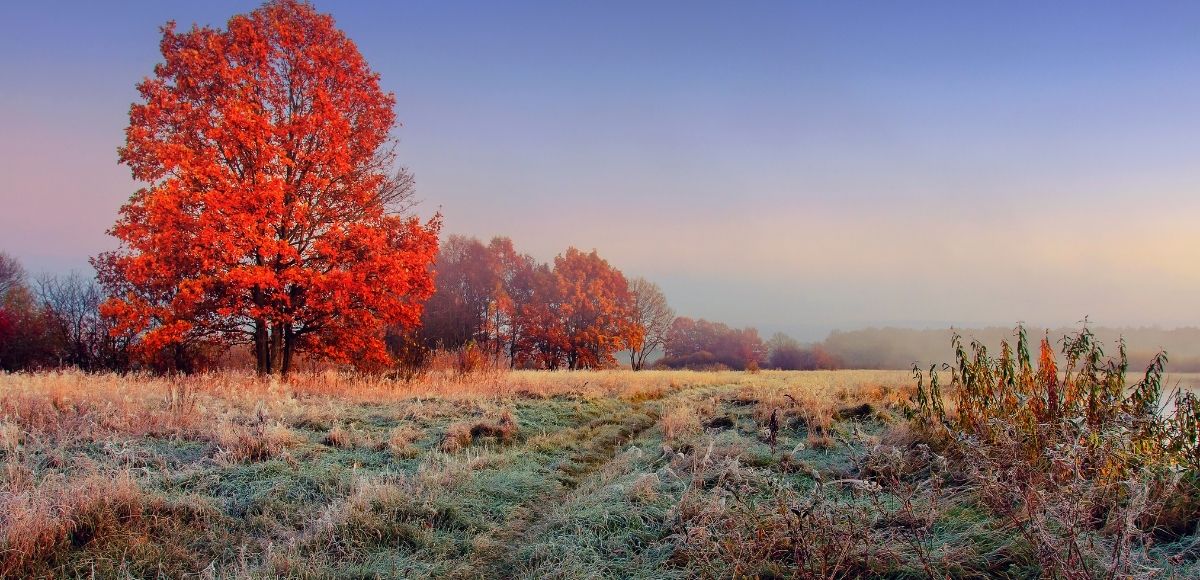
(524, 474)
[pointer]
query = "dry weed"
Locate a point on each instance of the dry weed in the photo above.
(402, 441)
(503, 427)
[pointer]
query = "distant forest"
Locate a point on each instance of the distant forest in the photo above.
(899, 348)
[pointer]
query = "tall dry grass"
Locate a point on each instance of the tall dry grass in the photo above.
(55, 496)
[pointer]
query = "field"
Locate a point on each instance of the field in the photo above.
(655, 474)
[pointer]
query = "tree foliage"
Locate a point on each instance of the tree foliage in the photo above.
(596, 310)
(702, 344)
(271, 215)
(575, 313)
(468, 290)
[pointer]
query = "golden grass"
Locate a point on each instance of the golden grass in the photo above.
(53, 495)
(36, 521)
(75, 405)
(50, 493)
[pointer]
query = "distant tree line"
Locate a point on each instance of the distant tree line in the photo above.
(506, 309)
(577, 312)
(491, 302)
(899, 348)
(55, 321)
(700, 344)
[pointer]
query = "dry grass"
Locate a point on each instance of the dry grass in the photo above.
(402, 440)
(35, 522)
(522, 474)
(166, 404)
(104, 510)
(242, 443)
(686, 418)
(502, 426)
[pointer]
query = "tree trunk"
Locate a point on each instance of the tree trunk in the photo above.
(180, 363)
(289, 346)
(276, 348)
(262, 354)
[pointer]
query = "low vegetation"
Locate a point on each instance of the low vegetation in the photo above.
(1097, 477)
(568, 474)
(526, 473)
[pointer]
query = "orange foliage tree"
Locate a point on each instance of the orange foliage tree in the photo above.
(575, 313)
(541, 339)
(271, 215)
(515, 288)
(480, 294)
(596, 310)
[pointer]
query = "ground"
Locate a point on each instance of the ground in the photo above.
(528, 475)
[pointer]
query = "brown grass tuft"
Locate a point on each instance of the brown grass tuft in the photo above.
(38, 522)
(463, 434)
(402, 441)
(241, 443)
(339, 437)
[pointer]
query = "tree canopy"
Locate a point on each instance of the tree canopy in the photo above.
(272, 214)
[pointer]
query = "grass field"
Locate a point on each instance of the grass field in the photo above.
(655, 474)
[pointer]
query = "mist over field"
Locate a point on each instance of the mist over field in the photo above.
(900, 348)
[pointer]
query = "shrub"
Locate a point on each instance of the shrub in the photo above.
(1081, 464)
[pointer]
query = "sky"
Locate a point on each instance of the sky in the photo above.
(795, 166)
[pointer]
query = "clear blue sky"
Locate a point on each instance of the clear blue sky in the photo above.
(792, 165)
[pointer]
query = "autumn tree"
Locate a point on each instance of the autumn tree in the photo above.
(11, 275)
(542, 341)
(515, 289)
(653, 315)
(482, 292)
(27, 339)
(596, 309)
(700, 343)
(468, 279)
(271, 215)
(575, 313)
(23, 340)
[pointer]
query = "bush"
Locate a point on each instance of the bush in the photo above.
(1081, 464)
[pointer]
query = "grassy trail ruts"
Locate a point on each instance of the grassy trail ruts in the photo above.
(600, 438)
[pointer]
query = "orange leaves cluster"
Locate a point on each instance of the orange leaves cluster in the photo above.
(595, 310)
(574, 313)
(270, 214)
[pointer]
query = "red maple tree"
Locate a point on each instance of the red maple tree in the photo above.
(270, 215)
